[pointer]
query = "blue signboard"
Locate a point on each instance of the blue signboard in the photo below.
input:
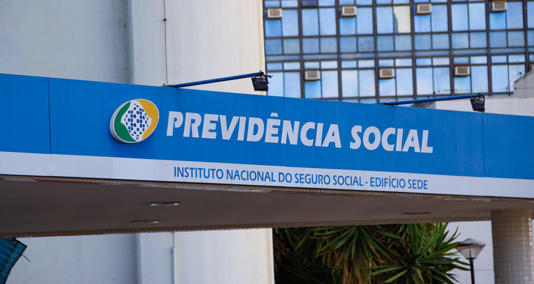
(104, 130)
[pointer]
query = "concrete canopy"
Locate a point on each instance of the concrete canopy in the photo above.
(37, 206)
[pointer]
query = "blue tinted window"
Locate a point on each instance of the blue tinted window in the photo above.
(462, 84)
(364, 2)
(441, 80)
(440, 61)
(271, 3)
(291, 65)
(479, 78)
(276, 84)
(310, 45)
(384, 20)
(422, 42)
(310, 22)
(498, 59)
(421, 23)
(346, 2)
(497, 20)
(292, 84)
(367, 82)
(404, 81)
(499, 80)
(386, 87)
(479, 60)
(347, 25)
(403, 62)
(530, 13)
(366, 43)
(385, 43)
(327, 2)
(273, 46)
(290, 23)
(365, 21)
(329, 82)
(291, 45)
(460, 40)
(329, 64)
(459, 17)
(349, 83)
(349, 64)
(423, 61)
(530, 35)
(289, 3)
(273, 28)
(403, 42)
(424, 81)
(516, 38)
(312, 89)
(439, 18)
(440, 41)
(477, 16)
(328, 44)
(478, 40)
(386, 63)
(366, 63)
(498, 39)
(311, 65)
(327, 19)
(514, 15)
(274, 66)
(347, 44)
(461, 60)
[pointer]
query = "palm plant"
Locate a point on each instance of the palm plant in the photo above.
(420, 253)
(413, 253)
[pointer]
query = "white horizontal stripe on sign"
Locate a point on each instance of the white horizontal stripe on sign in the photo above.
(258, 175)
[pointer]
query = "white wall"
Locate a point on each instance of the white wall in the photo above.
(128, 41)
(79, 259)
(64, 38)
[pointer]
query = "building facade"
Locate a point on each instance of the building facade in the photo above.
(388, 50)
(144, 43)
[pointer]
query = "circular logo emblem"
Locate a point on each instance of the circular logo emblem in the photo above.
(134, 120)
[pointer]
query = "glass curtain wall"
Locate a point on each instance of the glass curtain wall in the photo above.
(423, 49)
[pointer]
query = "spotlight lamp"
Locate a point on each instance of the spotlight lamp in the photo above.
(478, 103)
(261, 82)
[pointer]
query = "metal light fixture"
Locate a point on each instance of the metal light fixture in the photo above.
(470, 249)
(478, 103)
(261, 82)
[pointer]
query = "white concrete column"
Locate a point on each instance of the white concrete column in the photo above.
(513, 258)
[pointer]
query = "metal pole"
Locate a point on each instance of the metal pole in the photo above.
(432, 100)
(217, 80)
(472, 271)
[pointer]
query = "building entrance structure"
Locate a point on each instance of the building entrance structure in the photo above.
(82, 157)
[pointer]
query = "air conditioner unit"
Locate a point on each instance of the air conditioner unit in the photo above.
(462, 71)
(498, 6)
(423, 9)
(312, 75)
(386, 73)
(348, 11)
(274, 13)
